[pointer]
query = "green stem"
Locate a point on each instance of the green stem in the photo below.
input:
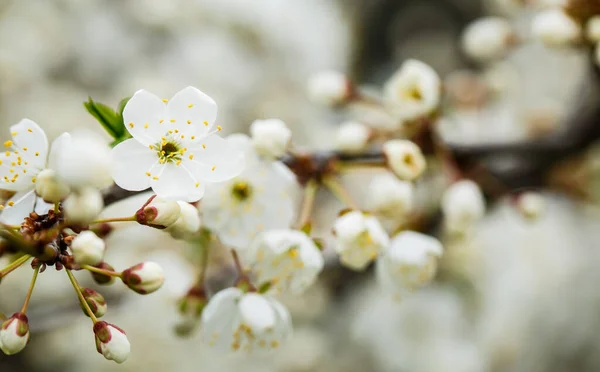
(14, 265)
(117, 219)
(80, 295)
(340, 192)
(101, 271)
(30, 291)
(310, 192)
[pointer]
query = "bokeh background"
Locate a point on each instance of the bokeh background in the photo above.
(513, 296)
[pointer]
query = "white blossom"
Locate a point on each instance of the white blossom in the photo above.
(592, 29)
(329, 88)
(389, 196)
(414, 91)
(84, 160)
(83, 206)
(488, 38)
(25, 157)
(248, 322)
(14, 334)
(404, 158)
(88, 249)
(112, 342)
(188, 222)
(463, 205)
(288, 260)
(408, 263)
(174, 149)
(270, 138)
(144, 278)
(359, 239)
(555, 28)
(159, 213)
(352, 137)
(531, 204)
(261, 198)
(50, 187)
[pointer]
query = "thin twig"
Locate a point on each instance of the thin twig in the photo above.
(84, 303)
(30, 291)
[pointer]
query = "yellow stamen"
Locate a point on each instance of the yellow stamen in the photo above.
(11, 203)
(146, 125)
(155, 178)
(161, 121)
(13, 133)
(30, 130)
(165, 100)
(190, 105)
(131, 125)
(37, 154)
(8, 144)
(206, 123)
(191, 156)
(197, 184)
(213, 168)
(203, 146)
(219, 128)
(172, 120)
(189, 122)
(148, 174)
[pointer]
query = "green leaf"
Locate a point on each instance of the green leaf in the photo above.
(111, 120)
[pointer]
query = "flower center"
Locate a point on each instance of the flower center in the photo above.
(169, 150)
(414, 93)
(241, 191)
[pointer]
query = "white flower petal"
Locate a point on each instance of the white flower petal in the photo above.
(192, 112)
(145, 117)
(131, 162)
(257, 313)
(17, 173)
(54, 158)
(214, 159)
(29, 137)
(22, 205)
(176, 182)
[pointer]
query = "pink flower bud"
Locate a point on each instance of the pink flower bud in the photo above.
(158, 213)
(14, 334)
(111, 342)
(95, 301)
(144, 278)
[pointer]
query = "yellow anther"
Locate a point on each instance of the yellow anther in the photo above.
(13, 133)
(190, 105)
(172, 120)
(151, 147)
(131, 125)
(11, 203)
(274, 344)
(191, 156)
(33, 179)
(148, 174)
(165, 100)
(189, 122)
(7, 153)
(206, 123)
(37, 154)
(193, 137)
(30, 130)
(183, 136)
(12, 171)
(171, 131)
(1, 207)
(25, 149)
(161, 121)
(24, 170)
(146, 125)
(197, 184)
(155, 178)
(203, 146)
(213, 168)
(178, 162)
(8, 144)
(14, 163)
(219, 128)
(162, 161)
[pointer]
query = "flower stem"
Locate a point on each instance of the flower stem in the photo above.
(30, 291)
(80, 295)
(56, 207)
(236, 261)
(310, 192)
(101, 271)
(117, 219)
(340, 192)
(13, 265)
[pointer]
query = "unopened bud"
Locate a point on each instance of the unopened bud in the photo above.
(111, 342)
(103, 279)
(188, 222)
(488, 38)
(49, 187)
(159, 213)
(555, 28)
(83, 206)
(330, 88)
(144, 278)
(270, 138)
(352, 137)
(88, 249)
(95, 301)
(14, 334)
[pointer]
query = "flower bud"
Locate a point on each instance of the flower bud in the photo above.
(592, 29)
(83, 206)
(14, 334)
(352, 137)
(270, 138)
(111, 342)
(95, 301)
(49, 187)
(531, 205)
(88, 249)
(159, 213)
(488, 38)
(101, 278)
(555, 28)
(404, 158)
(329, 88)
(188, 222)
(144, 278)
(389, 196)
(463, 205)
